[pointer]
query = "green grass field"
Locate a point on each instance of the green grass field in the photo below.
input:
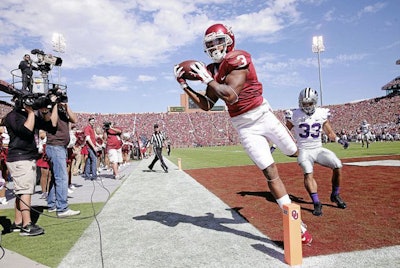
(61, 234)
(194, 158)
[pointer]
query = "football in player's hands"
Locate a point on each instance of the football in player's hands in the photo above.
(188, 72)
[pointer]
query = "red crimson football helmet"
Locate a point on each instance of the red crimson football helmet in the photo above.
(218, 40)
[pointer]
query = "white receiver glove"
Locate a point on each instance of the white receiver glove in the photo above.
(178, 72)
(202, 72)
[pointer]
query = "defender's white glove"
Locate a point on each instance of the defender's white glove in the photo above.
(202, 72)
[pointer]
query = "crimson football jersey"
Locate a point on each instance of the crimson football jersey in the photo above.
(251, 94)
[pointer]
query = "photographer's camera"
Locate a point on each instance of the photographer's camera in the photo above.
(40, 100)
(34, 100)
(60, 95)
(106, 125)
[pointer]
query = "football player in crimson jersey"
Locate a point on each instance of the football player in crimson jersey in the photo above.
(308, 122)
(233, 78)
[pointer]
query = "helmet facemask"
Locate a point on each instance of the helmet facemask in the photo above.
(218, 41)
(308, 100)
(215, 46)
(308, 107)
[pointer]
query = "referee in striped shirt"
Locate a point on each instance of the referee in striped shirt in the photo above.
(157, 140)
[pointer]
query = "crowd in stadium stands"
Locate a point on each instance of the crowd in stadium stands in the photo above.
(215, 129)
(381, 113)
(182, 129)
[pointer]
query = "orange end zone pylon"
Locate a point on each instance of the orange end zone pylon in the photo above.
(179, 164)
(292, 234)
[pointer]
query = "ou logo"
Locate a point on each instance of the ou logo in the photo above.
(295, 214)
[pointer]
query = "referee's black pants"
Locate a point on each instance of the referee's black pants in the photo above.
(158, 156)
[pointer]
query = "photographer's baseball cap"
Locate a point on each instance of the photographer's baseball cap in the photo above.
(91, 118)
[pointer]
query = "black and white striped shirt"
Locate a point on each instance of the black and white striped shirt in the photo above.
(157, 139)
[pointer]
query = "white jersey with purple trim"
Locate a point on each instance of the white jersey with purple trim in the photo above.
(364, 128)
(307, 128)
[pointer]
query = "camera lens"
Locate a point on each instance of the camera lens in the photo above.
(29, 101)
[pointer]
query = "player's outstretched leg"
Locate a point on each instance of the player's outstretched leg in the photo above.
(279, 192)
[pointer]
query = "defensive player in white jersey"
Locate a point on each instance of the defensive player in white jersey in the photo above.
(307, 123)
(365, 133)
(232, 77)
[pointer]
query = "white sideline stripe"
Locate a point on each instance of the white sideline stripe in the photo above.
(389, 163)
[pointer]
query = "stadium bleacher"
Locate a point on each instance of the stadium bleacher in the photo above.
(215, 128)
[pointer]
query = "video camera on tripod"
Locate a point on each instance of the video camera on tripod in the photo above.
(45, 61)
(41, 95)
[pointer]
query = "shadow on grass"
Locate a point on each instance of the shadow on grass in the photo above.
(6, 223)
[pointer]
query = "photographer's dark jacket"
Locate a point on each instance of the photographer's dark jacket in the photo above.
(22, 144)
(26, 68)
